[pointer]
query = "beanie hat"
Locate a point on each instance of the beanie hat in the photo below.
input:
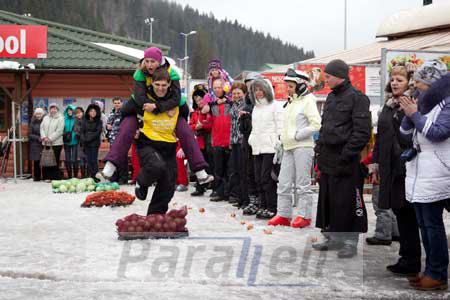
(199, 91)
(337, 68)
(214, 64)
(39, 111)
(430, 71)
(155, 53)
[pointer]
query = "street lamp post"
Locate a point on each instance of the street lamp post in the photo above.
(181, 60)
(186, 57)
(149, 21)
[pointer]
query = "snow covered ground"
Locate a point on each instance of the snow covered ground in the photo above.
(51, 248)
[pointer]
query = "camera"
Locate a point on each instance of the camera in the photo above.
(408, 154)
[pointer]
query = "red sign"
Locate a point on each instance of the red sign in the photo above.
(23, 41)
(279, 85)
(317, 82)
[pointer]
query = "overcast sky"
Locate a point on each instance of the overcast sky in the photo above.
(312, 24)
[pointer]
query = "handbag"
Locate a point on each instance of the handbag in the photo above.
(48, 158)
(67, 137)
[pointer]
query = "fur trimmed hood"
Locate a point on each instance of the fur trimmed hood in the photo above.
(437, 92)
(266, 86)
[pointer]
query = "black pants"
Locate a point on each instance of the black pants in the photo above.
(248, 167)
(410, 248)
(221, 161)
(92, 160)
(265, 185)
(236, 172)
(37, 170)
(158, 167)
(53, 173)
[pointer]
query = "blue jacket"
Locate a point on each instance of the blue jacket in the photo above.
(439, 129)
(69, 123)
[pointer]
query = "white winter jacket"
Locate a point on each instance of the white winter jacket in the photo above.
(428, 174)
(266, 127)
(53, 128)
(301, 120)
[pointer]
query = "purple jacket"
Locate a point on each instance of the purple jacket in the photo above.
(439, 130)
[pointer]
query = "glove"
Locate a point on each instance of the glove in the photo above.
(180, 154)
(278, 153)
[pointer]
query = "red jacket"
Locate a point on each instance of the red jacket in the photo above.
(206, 121)
(221, 125)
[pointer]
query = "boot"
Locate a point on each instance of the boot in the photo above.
(253, 207)
(140, 192)
(300, 222)
(84, 173)
(69, 170)
(376, 241)
(75, 170)
(348, 251)
(402, 270)
(328, 245)
(279, 221)
(427, 283)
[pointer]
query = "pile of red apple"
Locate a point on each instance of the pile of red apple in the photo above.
(108, 198)
(169, 225)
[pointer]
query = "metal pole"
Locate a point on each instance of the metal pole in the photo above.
(14, 140)
(19, 120)
(186, 68)
(345, 24)
(151, 32)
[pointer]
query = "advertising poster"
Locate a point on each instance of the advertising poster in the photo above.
(318, 85)
(279, 86)
(391, 58)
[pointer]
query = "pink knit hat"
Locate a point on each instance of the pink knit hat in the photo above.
(153, 52)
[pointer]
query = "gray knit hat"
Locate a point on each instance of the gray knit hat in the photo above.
(337, 68)
(430, 71)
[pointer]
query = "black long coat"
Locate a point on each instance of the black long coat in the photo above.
(34, 137)
(387, 150)
(345, 131)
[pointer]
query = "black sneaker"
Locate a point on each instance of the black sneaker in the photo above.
(348, 251)
(250, 209)
(206, 180)
(396, 238)
(260, 212)
(376, 241)
(217, 198)
(233, 200)
(328, 245)
(141, 192)
(401, 270)
(197, 193)
(267, 215)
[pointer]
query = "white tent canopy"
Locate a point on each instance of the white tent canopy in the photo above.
(137, 53)
(415, 20)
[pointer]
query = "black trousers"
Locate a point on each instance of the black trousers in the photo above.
(92, 160)
(221, 170)
(53, 173)
(37, 170)
(248, 169)
(158, 167)
(236, 172)
(410, 248)
(265, 185)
